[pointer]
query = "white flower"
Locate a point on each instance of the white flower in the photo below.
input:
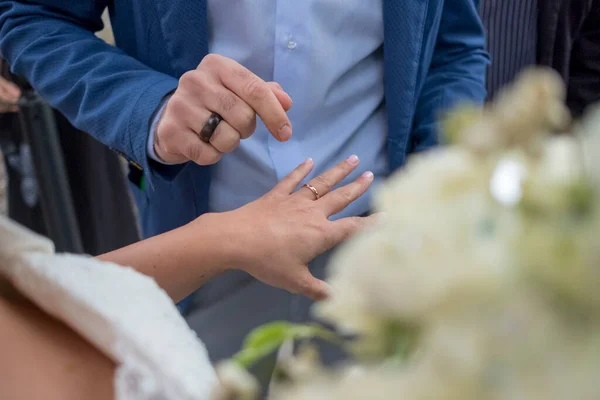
(444, 239)
(235, 383)
(533, 105)
(589, 134)
(490, 249)
(519, 116)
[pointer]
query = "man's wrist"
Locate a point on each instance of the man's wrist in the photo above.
(153, 127)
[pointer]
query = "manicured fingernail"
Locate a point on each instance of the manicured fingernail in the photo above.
(353, 159)
(285, 132)
(308, 161)
(368, 175)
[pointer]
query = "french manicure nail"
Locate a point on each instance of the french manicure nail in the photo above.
(353, 159)
(368, 175)
(308, 161)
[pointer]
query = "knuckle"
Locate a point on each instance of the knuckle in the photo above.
(193, 79)
(235, 143)
(227, 101)
(202, 154)
(213, 157)
(211, 60)
(196, 154)
(229, 144)
(346, 195)
(177, 105)
(247, 122)
(256, 90)
(323, 182)
(167, 130)
(167, 148)
(275, 85)
(186, 79)
(241, 72)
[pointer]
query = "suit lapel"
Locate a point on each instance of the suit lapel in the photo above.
(184, 28)
(404, 32)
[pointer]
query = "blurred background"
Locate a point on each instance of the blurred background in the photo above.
(86, 186)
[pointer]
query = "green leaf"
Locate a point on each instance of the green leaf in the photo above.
(274, 333)
(401, 340)
(266, 339)
(580, 197)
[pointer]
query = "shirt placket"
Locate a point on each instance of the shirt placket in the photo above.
(290, 70)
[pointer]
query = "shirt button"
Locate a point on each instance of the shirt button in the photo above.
(291, 44)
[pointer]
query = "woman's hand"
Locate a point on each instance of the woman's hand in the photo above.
(275, 237)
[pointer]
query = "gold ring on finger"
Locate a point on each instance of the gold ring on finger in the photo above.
(312, 189)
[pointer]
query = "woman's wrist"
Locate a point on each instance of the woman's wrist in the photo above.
(184, 259)
(222, 238)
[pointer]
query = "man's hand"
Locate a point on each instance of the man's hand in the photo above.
(9, 95)
(219, 85)
(275, 237)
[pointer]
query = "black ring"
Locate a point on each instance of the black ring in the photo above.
(210, 126)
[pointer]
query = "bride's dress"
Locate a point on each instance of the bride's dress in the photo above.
(121, 312)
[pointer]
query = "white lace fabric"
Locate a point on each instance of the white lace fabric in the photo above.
(123, 313)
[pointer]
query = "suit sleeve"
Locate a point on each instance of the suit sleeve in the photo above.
(457, 71)
(98, 87)
(584, 71)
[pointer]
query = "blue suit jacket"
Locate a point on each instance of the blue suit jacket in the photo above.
(434, 57)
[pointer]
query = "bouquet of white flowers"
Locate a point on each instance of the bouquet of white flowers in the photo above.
(483, 282)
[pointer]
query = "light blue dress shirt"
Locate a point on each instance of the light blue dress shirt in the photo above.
(328, 56)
